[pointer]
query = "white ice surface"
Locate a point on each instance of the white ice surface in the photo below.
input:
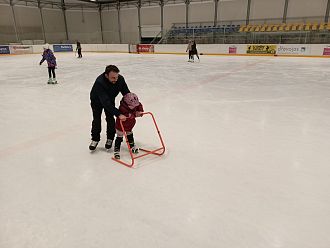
(247, 162)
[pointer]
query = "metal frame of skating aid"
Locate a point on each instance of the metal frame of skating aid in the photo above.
(159, 151)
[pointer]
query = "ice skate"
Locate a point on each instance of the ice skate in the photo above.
(108, 144)
(93, 145)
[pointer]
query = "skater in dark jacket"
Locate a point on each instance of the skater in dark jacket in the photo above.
(104, 91)
(131, 108)
(51, 61)
(194, 51)
(79, 49)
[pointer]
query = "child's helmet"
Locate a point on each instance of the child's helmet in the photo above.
(131, 100)
(46, 46)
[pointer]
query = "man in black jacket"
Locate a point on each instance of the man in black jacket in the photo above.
(104, 91)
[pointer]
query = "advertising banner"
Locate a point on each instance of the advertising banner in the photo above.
(326, 51)
(232, 50)
(4, 50)
(145, 48)
(261, 49)
(293, 49)
(20, 49)
(63, 48)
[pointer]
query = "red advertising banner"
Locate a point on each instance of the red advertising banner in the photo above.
(326, 51)
(232, 50)
(145, 48)
(20, 49)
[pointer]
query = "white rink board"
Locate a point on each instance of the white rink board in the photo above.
(213, 49)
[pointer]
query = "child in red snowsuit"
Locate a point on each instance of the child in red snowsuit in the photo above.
(131, 108)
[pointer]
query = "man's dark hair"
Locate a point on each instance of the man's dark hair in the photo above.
(111, 68)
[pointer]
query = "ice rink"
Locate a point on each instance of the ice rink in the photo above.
(247, 163)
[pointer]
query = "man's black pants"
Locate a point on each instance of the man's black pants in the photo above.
(96, 123)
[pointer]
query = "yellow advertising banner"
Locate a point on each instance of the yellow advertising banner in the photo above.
(261, 49)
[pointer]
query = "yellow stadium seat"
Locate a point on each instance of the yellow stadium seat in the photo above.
(281, 28)
(247, 28)
(328, 26)
(275, 28)
(257, 28)
(314, 26)
(253, 28)
(301, 26)
(307, 27)
(322, 26)
(294, 27)
(263, 28)
(288, 27)
(241, 29)
(269, 28)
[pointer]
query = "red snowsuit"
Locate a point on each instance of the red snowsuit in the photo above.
(130, 113)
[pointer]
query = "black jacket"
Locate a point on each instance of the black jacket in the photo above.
(194, 48)
(104, 92)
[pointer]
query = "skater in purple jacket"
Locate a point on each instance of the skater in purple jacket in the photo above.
(48, 55)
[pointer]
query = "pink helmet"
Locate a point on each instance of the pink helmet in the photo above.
(131, 100)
